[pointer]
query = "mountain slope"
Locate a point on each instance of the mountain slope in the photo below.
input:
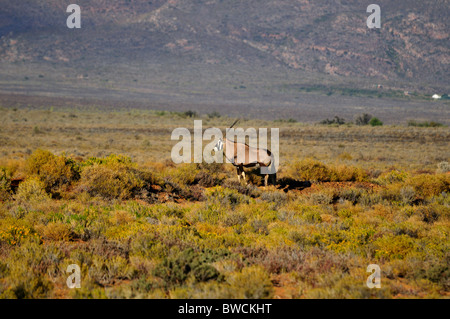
(216, 49)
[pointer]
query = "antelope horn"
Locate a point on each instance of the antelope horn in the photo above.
(234, 123)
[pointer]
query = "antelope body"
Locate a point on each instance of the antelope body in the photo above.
(242, 155)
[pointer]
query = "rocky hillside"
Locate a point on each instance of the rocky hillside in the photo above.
(214, 45)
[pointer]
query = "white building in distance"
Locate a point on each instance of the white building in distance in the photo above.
(436, 97)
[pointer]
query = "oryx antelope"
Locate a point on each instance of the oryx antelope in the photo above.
(242, 155)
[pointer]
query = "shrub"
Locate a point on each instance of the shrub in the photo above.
(176, 270)
(429, 185)
(56, 231)
(190, 113)
(5, 184)
(408, 195)
(311, 170)
(53, 171)
(320, 198)
(15, 235)
(337, 120)
(30, 192)
(424, 124)
(249, 189)
(363, 119)
(276, 260)
(29, 266)
(344, 173)
(443, 167)
(435, 270)
(353, 195)
(274, 196)
(122, 217)
(393, 247)
(251, 283)
(391, 177)
(205, 180)
(259, 226)
(106, 271)
(214, 114)
(113, 177)
(233, 218)
(375, 122)
(428, 214)
(225, 196)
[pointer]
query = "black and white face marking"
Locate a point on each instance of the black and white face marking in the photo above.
(219, 146)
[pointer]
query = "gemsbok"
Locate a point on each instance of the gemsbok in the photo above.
(242, 155)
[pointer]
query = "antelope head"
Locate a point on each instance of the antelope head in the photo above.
(219, 145)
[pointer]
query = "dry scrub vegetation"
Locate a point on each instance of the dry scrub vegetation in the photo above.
(97, 190)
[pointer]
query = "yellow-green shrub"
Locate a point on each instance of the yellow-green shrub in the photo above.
(110, 181)
(310, 170)
(55, 231)
(115, 176)
(31, 191)
(313, 170)
(251, 283)
(393, 176)
(393, 247)
(430, 185)
(5, 184)
(53, 171)
(14, 235)
(122, 217)
(344, 173)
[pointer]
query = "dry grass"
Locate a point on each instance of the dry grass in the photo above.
(142, 227)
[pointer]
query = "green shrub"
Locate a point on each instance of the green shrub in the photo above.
(31, 269)
(233, 218)
(106, 271)
(434, 270)
(375, 122)
(225, 196)
(175, 270)
(337, 120)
